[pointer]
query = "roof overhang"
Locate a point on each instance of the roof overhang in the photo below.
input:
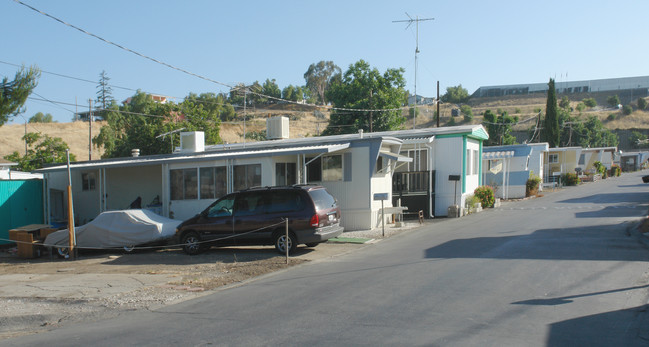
(203, 156)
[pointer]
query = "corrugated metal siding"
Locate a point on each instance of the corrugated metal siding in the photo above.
(21, 203)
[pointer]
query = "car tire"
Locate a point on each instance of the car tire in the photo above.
(191, 242)
(279, 240)
(62, 252)
(312, 244)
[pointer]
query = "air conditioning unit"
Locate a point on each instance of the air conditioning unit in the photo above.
(192, 142)
(277, 128)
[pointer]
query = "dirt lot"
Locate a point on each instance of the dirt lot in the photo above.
(43, 293)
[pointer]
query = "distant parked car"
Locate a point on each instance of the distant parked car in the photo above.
(116, 229)
(256, 217)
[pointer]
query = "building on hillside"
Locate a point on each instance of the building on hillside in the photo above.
(507, 168)
(634, 86)
(411, 166)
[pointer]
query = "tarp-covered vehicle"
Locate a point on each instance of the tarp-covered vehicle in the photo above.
(116, 229)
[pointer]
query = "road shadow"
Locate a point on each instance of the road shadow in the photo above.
(620, 211)
(602, 242)
(616, 328)
(610, 198)
(568, 299)
(222, 255)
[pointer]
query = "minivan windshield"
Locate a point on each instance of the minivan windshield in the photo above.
(322, 199)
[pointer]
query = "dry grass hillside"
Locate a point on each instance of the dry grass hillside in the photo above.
(305, 122)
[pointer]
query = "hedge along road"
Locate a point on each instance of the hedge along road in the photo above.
(556, 270)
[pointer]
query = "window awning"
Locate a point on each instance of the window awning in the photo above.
(497, 155)
(395, 157)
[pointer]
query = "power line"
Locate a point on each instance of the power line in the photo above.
(186, 71)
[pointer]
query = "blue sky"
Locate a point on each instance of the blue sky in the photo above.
(473, 43)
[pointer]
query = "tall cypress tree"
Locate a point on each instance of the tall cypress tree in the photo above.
(551, 133)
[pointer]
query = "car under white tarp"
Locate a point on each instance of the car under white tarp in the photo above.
(125, 228)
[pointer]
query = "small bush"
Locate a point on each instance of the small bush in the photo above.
(627, 110)
(532, 185)
(485, 195)
(581, 106)
(590, 102)
(642, 103)
(570, 179)
(615, 170)
(611, 116)
(600, 168)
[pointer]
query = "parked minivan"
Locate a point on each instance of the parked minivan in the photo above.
(257, 216)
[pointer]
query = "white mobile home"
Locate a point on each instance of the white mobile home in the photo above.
(507, 168)
(352, 167)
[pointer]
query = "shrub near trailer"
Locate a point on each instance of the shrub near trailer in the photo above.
(532, 185)
(485, 195)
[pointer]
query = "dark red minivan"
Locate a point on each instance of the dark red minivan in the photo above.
(256, 217)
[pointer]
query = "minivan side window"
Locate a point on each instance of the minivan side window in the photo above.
(248, 204)
(286, 201)
(222, 208)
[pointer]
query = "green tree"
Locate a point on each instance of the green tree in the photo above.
(271, 89)
(565, 102)
(456, 95)
(642, 103)
(13, 94)
(139, 124)
(364, 88)
(319, 77)
(39, 117)
(551, 132)
(49, 150)
(104, 92)
(613, 100)
(499, 128)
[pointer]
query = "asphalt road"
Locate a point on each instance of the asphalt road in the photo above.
(551, 271)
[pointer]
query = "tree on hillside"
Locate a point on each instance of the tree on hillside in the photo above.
(271, 89)
(139, 123)
(49, 150)
(499, 128)
(13, 94)
(104, 92)
(456, 95)
(319, 77)
(588, 133)
(613, 100)
(216, 105)
(366, 89)
(551, 132)
(39, 117)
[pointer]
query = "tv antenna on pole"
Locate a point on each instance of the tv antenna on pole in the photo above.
(415, 20)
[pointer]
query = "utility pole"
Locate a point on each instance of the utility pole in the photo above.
(371, 110)
(416, 20)
(89, 129)
(438, 104)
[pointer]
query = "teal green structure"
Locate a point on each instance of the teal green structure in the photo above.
(21, 203)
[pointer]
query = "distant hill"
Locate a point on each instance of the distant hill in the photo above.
(305, 121)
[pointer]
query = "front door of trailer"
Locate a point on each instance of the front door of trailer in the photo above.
(415, 190)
